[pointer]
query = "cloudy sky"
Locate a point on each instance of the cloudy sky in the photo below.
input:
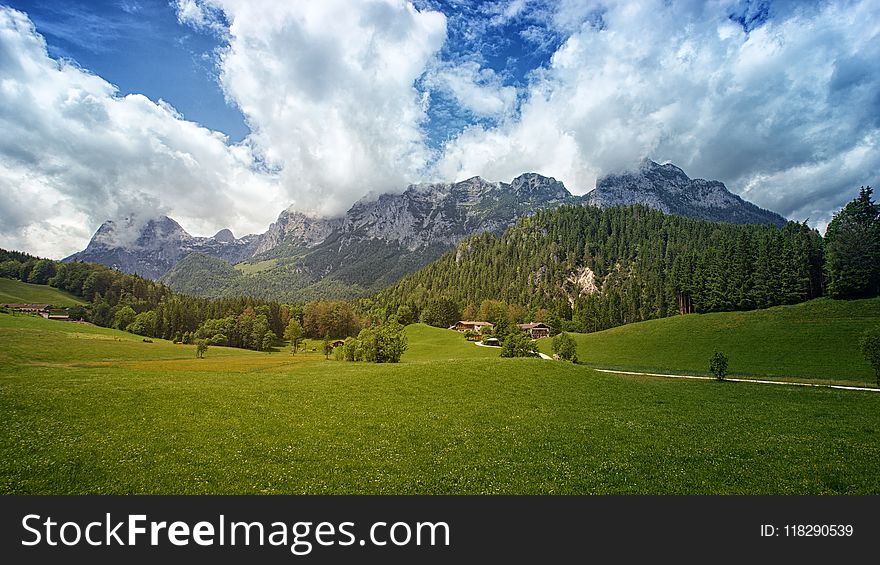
(220, 113)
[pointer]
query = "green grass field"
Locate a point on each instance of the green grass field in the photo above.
(91, 410)
(258, 267)
(427, 343)
(12, 291)
(816, 341)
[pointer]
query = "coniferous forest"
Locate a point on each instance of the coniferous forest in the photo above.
(587, 269)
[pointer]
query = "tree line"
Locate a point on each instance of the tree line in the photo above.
(148, 308)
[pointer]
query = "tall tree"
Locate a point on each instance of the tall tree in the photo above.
(852, 249)
(293, 332)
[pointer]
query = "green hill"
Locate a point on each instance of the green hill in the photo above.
(272, 279)
(591, 269)
(427, 343)
(814, 340)
(12, 291)
(95, 411)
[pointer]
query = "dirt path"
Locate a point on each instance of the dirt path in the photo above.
(758, 381)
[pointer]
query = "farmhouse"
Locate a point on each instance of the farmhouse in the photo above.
(536, 330)
(30, 308)
(465, 325)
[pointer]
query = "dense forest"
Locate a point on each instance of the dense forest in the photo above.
(578, 268)
(148, 308)
(585, 269)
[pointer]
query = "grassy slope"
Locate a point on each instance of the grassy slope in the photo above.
(814, 340)
(12, 291)
(89, 410)
(258, 267)
(427, 343)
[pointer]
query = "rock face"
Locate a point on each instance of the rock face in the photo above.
(296, 228)
(446, 213)
(384, 237)
(668, 189)
(152, 247)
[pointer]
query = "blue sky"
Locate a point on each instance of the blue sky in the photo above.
(139, 46)
(220, 113)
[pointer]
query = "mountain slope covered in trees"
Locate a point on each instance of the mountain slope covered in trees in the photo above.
(585, 268)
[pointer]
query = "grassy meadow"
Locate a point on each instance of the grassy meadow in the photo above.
(816, 341)
(95, 411)
(12, 291)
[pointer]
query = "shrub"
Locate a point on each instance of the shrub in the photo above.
(870, 347)
(718, 365)
(201, 348)
(565, 347)
(517, 344)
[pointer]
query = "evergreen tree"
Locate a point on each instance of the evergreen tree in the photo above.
(852, 249)
(268, 340)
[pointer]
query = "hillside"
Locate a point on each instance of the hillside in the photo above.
(816, 340)
(13, 291)
(589, 268)
(102, 412)
(427, 343)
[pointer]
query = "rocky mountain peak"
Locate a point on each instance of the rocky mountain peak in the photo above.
(224, 236)
(535, 184)
(139, 233)
(150, 247)
(667, 188)
(297, 228)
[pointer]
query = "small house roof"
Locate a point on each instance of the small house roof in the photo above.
(473, 323)
(533, 325)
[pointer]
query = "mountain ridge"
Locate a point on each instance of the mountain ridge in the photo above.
(668, 188)
(385, 236)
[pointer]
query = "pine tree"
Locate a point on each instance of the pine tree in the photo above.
(852, 249)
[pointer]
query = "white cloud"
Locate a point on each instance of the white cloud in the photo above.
(681, 82)
(478, 90)
(73, 153)
(328, 91)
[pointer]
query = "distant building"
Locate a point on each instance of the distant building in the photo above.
(536, 330)
(30, 308)
(465, 325)
(493, 341)
(337, 343)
